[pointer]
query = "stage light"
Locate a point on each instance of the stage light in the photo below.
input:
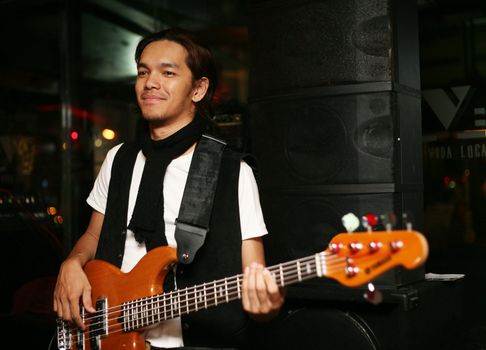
(74, 135)
(51, 211)
(108, 134)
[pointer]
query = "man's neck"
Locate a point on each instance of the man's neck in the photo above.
(160, 130)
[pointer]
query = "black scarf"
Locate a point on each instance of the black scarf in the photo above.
(147, 221)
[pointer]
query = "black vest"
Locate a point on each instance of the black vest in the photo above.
(220, 256)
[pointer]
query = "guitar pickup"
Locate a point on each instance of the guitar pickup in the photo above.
(98, 326)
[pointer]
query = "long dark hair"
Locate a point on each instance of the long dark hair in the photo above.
(199, 60)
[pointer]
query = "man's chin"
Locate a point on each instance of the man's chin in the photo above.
(155, 119)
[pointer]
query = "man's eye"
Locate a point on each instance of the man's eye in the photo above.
(142, 73)
(169, 73)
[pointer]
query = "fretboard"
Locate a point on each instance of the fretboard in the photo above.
(157, 308)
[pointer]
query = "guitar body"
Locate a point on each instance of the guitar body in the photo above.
(117, 287)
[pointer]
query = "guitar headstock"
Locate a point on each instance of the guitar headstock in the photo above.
(356, 258)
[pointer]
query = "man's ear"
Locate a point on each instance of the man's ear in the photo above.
(200, 88)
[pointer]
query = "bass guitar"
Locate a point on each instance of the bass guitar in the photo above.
(126, 303)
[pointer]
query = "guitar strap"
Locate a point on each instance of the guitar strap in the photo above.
(192, 223)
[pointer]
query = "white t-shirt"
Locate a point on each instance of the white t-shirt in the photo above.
(169, 333)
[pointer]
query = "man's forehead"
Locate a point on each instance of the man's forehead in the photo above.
(166, 52)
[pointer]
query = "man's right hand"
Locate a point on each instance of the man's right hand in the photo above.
(72, 289)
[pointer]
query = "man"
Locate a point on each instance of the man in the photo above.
(175, 82)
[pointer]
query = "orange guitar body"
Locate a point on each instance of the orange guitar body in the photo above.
(145, 279)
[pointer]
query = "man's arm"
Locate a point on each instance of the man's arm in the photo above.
(72, 284)
(261, 297)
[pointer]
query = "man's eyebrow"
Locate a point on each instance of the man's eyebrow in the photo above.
(163, 65)
(169, 65)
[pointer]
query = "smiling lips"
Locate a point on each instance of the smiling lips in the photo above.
(146, 98)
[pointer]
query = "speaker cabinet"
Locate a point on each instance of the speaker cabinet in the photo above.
(426, 315)
(301, 44)
(334, 118)
(350, 139)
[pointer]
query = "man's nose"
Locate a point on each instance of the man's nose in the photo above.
(152, 82)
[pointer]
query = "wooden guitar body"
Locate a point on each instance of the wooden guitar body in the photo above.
(110, 284)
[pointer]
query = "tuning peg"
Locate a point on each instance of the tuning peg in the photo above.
(350, 222)
(373, 295)
(406, 217)
(369, 220)
(388, 220)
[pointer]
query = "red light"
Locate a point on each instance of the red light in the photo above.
(447, 180)
(74, 135)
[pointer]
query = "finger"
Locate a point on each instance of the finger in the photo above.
(272, 288)
(65, 312)
(244, 289)
(75, 313)
(261, 285)
(252, 292)
(87, 302)
(54, 301)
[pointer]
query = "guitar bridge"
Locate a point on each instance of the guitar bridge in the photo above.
(63, 335)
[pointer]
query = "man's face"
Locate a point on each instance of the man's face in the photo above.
(164, 85)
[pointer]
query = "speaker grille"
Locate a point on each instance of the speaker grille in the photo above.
(325, 43)
(331, 140)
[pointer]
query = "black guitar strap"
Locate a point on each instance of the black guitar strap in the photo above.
(192, 223)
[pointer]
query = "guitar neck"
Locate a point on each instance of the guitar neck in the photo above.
(154, 309)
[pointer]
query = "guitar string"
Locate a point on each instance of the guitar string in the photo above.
(210, 299)
(118, 327)
(172, 296)
(209, 302)
(168, 297)
(286, 265)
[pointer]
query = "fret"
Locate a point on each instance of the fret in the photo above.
(143, 315)
(134, 313)
(226, 289)
(146, 313)
(308, 268)
(152, 311)
(318, 265)
(323, 264)
(196, 298)
(178, 304)
(299, 275)
(282, 282)
(171, 305)
(129, 316)
(158, 308)
(205, 298)
(238, 286)
(215, 293)
(165, 307)
(187, 300)
(148, 307)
